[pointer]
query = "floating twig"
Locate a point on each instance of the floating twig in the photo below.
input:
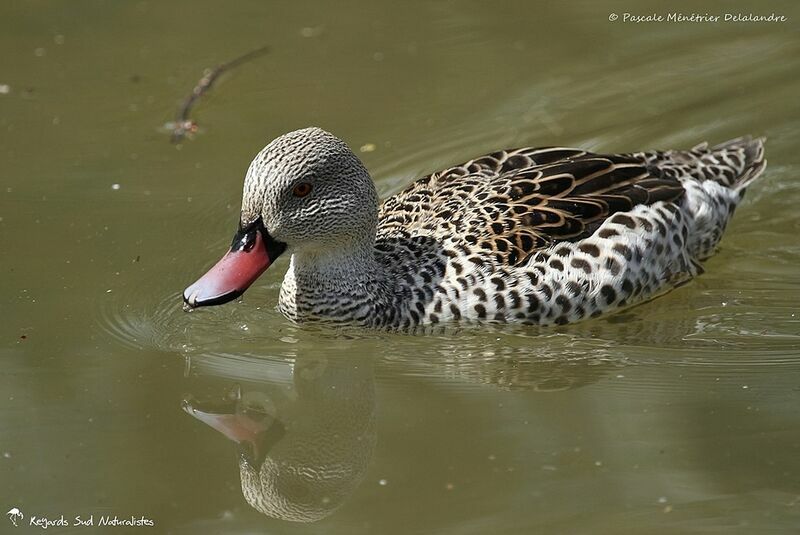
(183, 124)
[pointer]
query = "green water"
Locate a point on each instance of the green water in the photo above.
(678, 416)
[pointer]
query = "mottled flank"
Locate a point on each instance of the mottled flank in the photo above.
(533, 235)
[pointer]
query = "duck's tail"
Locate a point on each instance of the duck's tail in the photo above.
(734, 164)
(740, 161)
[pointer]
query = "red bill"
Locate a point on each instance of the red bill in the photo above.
(251, 253)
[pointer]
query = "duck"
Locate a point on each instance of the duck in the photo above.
(535, 236)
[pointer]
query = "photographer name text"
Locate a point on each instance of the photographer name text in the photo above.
(641, 18)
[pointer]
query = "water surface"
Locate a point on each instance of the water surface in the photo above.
(677, 416)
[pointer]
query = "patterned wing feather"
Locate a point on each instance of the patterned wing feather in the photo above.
(509, 204)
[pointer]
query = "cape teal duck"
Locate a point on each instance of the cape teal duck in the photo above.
(530, 235)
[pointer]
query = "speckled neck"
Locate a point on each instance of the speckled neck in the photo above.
(345, 284)
(337, 267)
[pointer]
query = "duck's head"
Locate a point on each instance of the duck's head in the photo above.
(306, 192)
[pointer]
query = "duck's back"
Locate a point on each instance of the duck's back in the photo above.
(553, 235)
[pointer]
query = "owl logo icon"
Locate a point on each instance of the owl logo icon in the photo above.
(15, 514)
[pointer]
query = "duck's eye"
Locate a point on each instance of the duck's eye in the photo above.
(302, 189)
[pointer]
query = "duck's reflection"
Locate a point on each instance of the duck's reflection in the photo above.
(306, 427)
(305, 421)
(304, 447)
